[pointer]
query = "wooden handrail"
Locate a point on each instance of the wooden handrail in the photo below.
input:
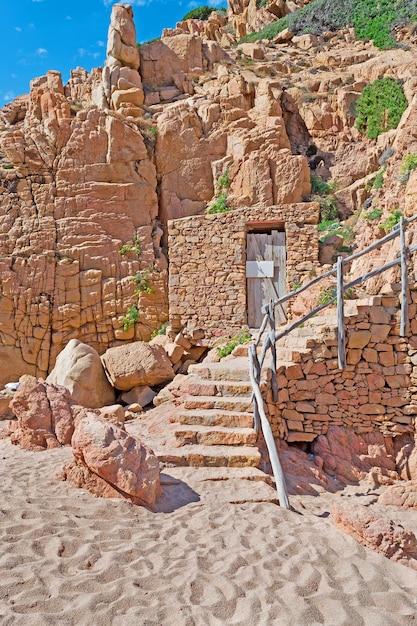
(255, 363)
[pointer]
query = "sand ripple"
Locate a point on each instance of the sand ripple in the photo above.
(68, 558)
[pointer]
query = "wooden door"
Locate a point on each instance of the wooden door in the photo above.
(266, 274)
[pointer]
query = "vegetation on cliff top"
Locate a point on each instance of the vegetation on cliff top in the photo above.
(371, 19)
(201, 13)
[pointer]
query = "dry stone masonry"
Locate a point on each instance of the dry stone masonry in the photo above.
(376, 391)
(207, 255)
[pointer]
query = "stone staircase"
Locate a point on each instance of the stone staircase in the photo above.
(215, 425)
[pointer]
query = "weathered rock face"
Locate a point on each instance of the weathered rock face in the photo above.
(380, 534)
(45, 415)
(238, 127)
(352, 457)
(78, 368)
(81, 187)
(110, 463)
(137, 364)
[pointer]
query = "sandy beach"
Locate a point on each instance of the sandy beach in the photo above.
(72, 559)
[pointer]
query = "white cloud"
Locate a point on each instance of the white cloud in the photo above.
(68, 17)
(37, 0)
(41, 52)
(8, 96)
(18, 29)
(101, 44)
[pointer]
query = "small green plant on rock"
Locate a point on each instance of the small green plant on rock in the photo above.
(408, 165)
(243, 336)
(329, 293)
(375, 214)
(161, 331)
(378, 181)
(393, 219)
(132, 316)
(219, 202)
(141, 281)
(323, 193)
(130, 247)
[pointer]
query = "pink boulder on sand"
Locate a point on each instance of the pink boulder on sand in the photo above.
(377, 533)
(110, 463)
(45, 415)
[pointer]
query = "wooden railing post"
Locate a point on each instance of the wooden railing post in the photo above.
(274, 382)
(268, 436)
(404, 280)
(341, 344)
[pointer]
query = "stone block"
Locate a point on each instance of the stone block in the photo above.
(359, 339)
(372, 409)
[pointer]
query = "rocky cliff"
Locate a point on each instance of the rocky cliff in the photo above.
(91, 172)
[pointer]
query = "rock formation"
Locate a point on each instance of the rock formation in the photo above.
(78, 368)
(110, 463)
(45, 415)
(377, 533)
(121, 79)
(79, 186)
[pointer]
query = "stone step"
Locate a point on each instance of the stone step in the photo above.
(216, 435)
(216, 417)
(211, 456)
(236, 370)
(196, 386)
(226, 403)
(234, 485)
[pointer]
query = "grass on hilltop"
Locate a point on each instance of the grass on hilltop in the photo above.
(371, 19)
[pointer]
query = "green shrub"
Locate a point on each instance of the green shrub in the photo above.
(242, 337)
(409, 163)
(329, 293)
(378, 181)
(160, 331)
(219, 202)
(141, 281)
(218, 205)
(321, 186)
(199, 13)
(375, 214)
(380, 107)
(328, 225)
(328, 208)
(391, 221)
(132, 316)
(8, 166)
(373, 19)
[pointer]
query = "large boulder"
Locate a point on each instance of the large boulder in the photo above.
(380, 534)
(110, 463)
(402, 494)
(78, 368)
(45, 415)
(137, 364)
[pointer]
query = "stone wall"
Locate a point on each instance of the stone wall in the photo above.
(207, 256)
(376, 391)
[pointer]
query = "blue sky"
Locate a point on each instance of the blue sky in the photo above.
(41, 35)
